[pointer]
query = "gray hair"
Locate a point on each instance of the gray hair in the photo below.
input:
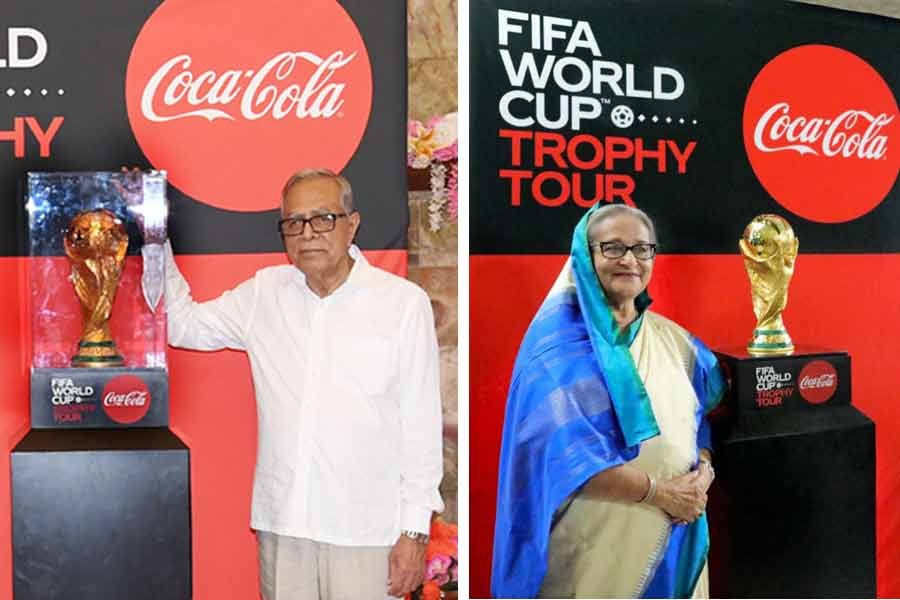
(303, 174)
(614, 210)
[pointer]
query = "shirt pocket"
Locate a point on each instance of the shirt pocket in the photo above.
(369, 365)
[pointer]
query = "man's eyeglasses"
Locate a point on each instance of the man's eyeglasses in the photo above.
(618, 250)
(319, 223)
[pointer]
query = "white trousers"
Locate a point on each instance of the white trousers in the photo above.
(300, 569)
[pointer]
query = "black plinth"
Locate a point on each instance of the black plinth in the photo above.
(101, 514)
(792, 511)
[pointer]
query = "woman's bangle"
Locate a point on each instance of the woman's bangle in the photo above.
(651, 491)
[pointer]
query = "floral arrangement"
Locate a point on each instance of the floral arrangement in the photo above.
(430, 146)
(441, 562)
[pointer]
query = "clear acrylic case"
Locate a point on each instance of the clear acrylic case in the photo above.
(139, 200)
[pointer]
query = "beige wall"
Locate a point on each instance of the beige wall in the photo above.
(432, 27)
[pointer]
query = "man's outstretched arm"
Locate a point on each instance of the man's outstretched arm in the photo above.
(214, 325)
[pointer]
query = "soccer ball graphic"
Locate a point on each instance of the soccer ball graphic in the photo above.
(622, 116)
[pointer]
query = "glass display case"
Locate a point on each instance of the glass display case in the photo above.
(136, 320)
(97, 277)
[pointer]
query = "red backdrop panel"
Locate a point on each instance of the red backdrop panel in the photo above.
(212, 410)
(847, 302)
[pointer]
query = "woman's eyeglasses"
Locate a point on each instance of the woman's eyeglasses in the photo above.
(618, 250)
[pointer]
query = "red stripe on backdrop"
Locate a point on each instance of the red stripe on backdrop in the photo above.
(847, 302)
(211, 409)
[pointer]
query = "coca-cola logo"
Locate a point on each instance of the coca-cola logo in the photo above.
(230, 122)
(818, 381)
(825, 380)
(184, 95)
(126, 399)
(132, 398)
(822, 133)
(777, 130)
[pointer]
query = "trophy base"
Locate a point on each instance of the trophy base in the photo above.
(808, 379)
(97, 355)
(770, 342)
(72, 398)
(83, 362)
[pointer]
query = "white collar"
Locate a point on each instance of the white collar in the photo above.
(355, 279)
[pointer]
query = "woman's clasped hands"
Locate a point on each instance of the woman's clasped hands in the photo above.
(683, 498)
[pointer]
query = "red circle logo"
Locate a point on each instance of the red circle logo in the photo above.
(822, 133)
(126, 399)
(817, 381)
(231, 98)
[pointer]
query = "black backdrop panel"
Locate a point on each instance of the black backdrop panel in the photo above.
(88, 47)
(718, 47)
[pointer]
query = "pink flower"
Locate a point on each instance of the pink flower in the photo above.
(454, 573)
(453, 197)
(444, 129)
(447, 153)
(437, 568)
(414, 129)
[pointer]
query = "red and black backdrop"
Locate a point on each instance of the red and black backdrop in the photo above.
(704, 113)
(229, 97)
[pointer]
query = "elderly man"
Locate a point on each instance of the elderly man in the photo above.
(345, 368)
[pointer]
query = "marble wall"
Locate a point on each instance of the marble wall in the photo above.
(432, 66)
(432, 265)
(432, 28)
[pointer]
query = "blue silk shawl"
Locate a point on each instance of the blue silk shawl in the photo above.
(576, 407)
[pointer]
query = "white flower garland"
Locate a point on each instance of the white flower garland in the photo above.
(438, 199)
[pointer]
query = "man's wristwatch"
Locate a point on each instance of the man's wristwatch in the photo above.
(416, 536)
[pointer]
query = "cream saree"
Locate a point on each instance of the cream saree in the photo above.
(602, 549)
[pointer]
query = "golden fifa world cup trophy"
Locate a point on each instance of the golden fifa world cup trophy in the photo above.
(96, 243)
(769, 247)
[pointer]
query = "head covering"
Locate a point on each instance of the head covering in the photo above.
(611, 346)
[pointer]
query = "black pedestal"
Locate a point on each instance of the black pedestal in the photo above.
(101, 514)
(792, 512)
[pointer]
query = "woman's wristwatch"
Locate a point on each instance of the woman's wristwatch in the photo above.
(416, 536)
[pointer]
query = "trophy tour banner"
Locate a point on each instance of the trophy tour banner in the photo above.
(705, 114)
(229, 98)
(710, 122)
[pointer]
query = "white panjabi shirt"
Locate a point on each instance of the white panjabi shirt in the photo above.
(347, 398)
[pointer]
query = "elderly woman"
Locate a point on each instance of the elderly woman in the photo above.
(605, 461)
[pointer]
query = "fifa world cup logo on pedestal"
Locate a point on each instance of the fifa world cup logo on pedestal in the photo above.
(770, 251)
(96, 243)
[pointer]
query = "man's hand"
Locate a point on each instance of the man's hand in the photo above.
(406, 566)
